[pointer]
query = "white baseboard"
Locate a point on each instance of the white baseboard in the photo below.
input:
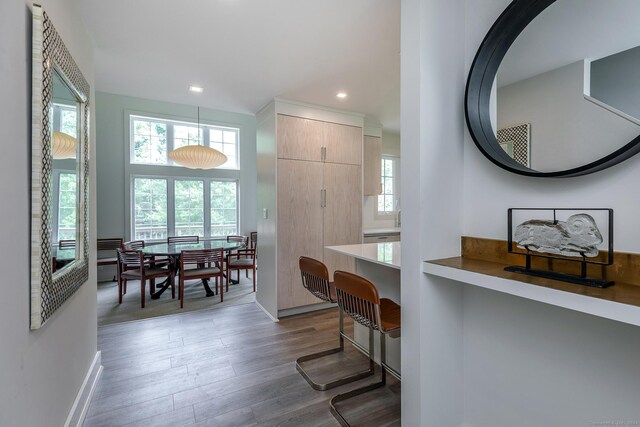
(305, 309)
(266, 312)
(83, 399)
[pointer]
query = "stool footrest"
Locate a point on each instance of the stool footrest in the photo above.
(332, 384)
(348, 395)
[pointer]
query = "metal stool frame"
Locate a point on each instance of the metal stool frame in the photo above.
(367, 313)
(317, 282)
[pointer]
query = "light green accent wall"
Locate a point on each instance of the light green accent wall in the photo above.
(113, 170)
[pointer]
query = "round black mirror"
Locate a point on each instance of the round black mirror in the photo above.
(553, 89)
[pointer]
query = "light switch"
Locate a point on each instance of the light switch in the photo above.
(265, 213)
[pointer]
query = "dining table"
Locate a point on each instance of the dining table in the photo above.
(174, 250)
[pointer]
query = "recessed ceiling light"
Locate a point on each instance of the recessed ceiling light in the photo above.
(341, 95)
(196, 89)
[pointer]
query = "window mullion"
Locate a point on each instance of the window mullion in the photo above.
(171, 207)
(170, 142)
(207, 207)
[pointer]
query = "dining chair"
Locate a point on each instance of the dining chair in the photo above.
(253, 239)
(133, 266)
(315, 279)
(242, 259)
(66, 244)
(154, 261)
(183, 239)
(359, 298)
(208, 264)
(107, 251)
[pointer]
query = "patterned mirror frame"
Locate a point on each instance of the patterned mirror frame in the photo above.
(49, 291)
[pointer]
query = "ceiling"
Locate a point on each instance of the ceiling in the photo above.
(569, 31)
(246, 52)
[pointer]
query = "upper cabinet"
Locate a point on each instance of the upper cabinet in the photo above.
(300, 139)
(318, 141)
(372, 166)
(343, 144)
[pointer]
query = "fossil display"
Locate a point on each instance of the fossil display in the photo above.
(578, 236)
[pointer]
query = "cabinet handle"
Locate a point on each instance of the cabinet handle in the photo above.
(324, 197)
(383, 237)
(323, 153)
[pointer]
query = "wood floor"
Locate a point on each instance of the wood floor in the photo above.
(229, 367)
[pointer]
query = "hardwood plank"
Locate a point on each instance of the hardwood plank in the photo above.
(240, 373)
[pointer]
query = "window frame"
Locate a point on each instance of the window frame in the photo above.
(171, 219)
(388, 214)
(205, 127)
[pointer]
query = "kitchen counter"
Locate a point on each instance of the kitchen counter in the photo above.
(387, 254)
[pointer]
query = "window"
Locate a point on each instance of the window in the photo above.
(150, 209)
(387, 199)
(224, 212)
(167, 206)
(189, 208)
(67, 197)
(65, 119)
(152, 139)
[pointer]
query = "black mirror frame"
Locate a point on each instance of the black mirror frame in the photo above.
(484, 68)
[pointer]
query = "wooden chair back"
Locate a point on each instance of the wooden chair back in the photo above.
(201, 257)
(130, 259)
(253, 239)
(359, 298)
(183, 239)
(65, 244)
(315, 278)
(110, 244)
(134, 244)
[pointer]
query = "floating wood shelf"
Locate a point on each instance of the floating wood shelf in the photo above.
(620, 302)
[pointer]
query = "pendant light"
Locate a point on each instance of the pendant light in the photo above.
(63, 146)
(198, 156)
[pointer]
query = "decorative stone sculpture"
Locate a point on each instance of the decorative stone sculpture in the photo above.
(578, 236)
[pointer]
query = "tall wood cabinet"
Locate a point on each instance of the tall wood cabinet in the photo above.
(318, 197)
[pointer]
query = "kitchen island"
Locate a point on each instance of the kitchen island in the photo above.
(380, 264)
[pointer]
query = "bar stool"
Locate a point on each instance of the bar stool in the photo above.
(359, 298)
(315, 279)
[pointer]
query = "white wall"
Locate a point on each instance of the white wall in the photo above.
(526, 363)
(42, 370)
(567, 130)
(432, 87)
(483, 358)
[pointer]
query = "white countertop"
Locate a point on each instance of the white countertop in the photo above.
(387, 254)
(387, 230)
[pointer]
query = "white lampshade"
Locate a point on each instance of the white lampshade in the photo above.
(63, 146)
(198, 157)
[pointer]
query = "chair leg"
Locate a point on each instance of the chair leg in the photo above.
(143, 282)
(222, 282)
(246, 273)
(172, 277)
(340, 381)
(361, 390)
(124, 286)
(254, 279)
(119, 290)
(181, 292)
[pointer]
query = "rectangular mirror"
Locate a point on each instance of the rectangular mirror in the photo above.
(60, 168)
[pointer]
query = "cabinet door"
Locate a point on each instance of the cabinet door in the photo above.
(300, 139)
(344, 144)
(342, 214)
(299, 227)
(372, 166)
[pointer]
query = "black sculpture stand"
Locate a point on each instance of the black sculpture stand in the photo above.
(586, 281)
